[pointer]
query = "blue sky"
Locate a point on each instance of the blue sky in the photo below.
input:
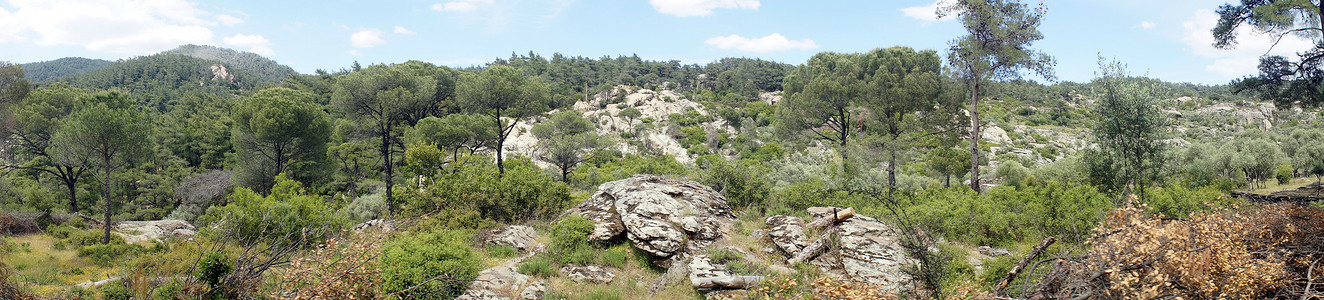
(1164, 39)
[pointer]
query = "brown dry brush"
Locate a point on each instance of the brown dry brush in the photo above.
(1272, 251)
(341, 268)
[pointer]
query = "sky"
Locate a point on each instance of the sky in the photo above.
(1169, 40)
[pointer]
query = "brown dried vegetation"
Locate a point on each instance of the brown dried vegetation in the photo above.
(1254, 252)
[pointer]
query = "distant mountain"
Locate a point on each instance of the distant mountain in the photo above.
(61, 68)
(156, 80)
(266, 69)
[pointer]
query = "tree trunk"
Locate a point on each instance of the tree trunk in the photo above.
(501, 145)
(974, 137)
(105, 196)
(387, 165)
(947, 180)
(73, 194)
(891, 172)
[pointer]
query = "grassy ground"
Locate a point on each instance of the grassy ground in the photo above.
(1273, 186)
(47, 270)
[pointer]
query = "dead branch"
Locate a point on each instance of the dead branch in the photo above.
(1011, 275)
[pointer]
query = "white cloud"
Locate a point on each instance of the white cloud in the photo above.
(402, 30)
(366, 38)
(928, 13)
(699, 8)
(772, 43)
(114, 26)
(255, 43)
(461, 5)
(1147, 25)
(228, 20)
(1245, 58)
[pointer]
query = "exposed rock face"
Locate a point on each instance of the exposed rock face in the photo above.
(868, 250)
(502, 282)
(661, 216)
(378, 224)
(591, 274)
(990, 251)
(138, 231)
(771, 97)
(520, 237)
(788, 233)
(702, 267)
(995, 134)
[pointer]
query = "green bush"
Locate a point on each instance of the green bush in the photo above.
(1179, 202)
(288, 215)
(115, 291)
(571, 234)
(523, 192)
(419, 258)
(615, 256)
(212, 268)
(60, 231)
(1284, 174)
(90, 237)
(106, 255)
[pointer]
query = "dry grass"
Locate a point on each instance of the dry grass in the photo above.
(46, 271)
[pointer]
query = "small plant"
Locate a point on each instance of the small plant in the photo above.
(540, 265)
(212, 268)
(502, 251)
(615, 256)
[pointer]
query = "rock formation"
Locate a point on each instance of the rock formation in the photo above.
(664, 217)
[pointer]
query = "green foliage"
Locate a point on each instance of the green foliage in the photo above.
(565, 140)
(539, 265)
(289, 215)
(1179, 202)
(503, 92)
(571, 234)
(1284, 173)
(61, 231)
(117, 290)
(455, 132)
(605, 168)
(1012, 173)
(421, 257)
(742, 182)
(213, 267)
(157, 79)
(109, 254)
(1130, 128)
(1284, 81)
(525, 192)
(276, 131)
(1006, 215)
(60, 68)
(265, 69)
(948, 162)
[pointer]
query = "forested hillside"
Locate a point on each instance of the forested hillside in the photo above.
(61, 68)
(224, 175)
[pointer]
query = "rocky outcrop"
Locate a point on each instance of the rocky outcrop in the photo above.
(520, 237)
(140, 231)
(375, 224)
(867, 250)
(590, 274)
(994, 134)
(788, 233)
(662, 216)
(503, 282)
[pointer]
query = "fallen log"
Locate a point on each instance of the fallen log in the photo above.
(1011, 275)
(837, 217)
(740, 282)
(90, 219)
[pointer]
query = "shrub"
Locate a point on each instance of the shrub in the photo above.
(90, 237)
(1284, 174)
(115, 291)
(60, 231)
(615, 256)
(212, 268)
(571, 233)
(366, 207)
(441, 254)
(106, 255)
(288, 215)
(524, 191)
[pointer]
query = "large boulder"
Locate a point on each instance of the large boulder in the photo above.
(520, 237)
(590, 274)
(662, 216)
(788, 233)
(139, 231)
(869, 251)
